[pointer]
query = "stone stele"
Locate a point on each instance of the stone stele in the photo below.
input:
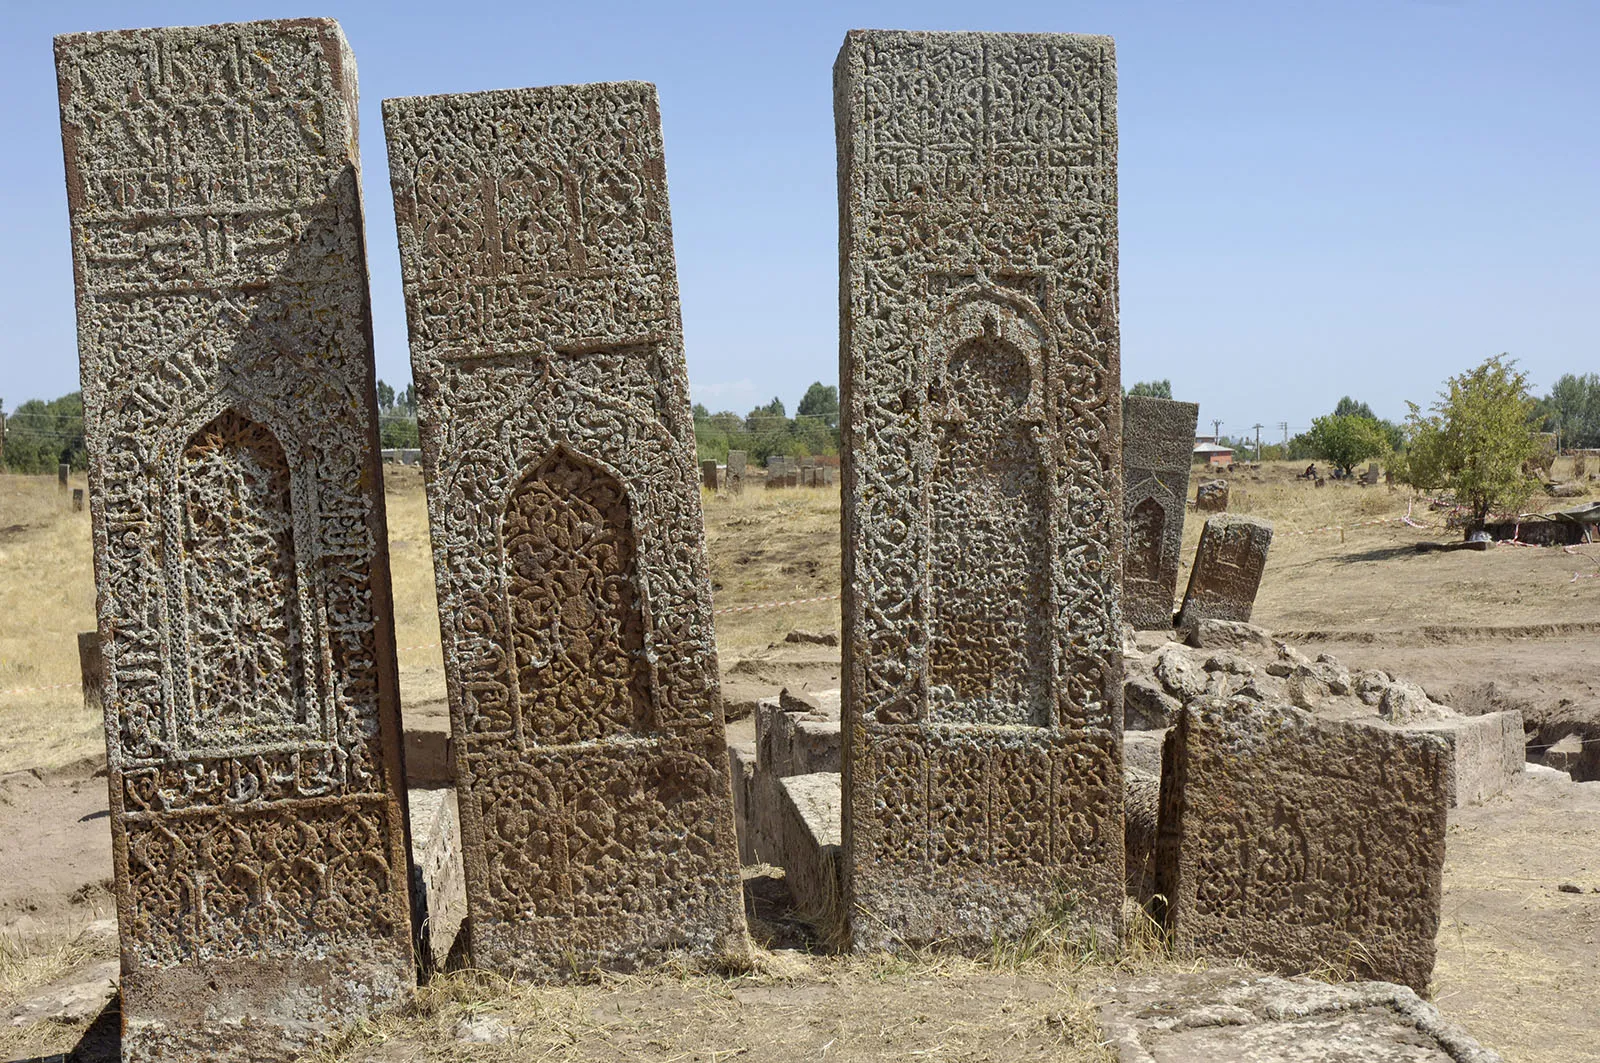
(1157, 441)
(569, 546)
(982, 501)
(1300, 843)
(1227, 569)
(257, 805)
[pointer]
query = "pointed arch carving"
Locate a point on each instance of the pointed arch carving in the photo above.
(578, 670)
(247, 668)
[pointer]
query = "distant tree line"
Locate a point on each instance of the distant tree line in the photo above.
(767, 430)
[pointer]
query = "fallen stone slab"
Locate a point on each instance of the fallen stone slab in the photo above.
(1236, 1016)
(1303, 844)
(74, 999)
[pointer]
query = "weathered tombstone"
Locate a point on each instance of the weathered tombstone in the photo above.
(708, 475)
(1211, 497)
(791, 476)
(736, 466)
(1302, 843)
(774, 461)
(808, 476)
(62, 472)
(829, 475)
(77, 500)
(252, 731)
(558, 449)
(982, 504)
(1227, 569)
(91, 671)
(1157, 438)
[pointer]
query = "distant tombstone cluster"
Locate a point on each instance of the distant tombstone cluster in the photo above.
(786, 471)
(247, 662)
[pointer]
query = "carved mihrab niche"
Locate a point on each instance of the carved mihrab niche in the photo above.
(558, 447)
(252, 733)
(982, 499)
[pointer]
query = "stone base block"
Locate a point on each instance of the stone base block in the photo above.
(1303, 844)
(810, 844)
(440, 886)
(1488, 751)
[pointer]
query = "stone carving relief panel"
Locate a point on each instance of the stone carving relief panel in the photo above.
(240, 545)
(536, 253)
(982, 498)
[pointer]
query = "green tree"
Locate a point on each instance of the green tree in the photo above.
(1347, 440)
(1155, 389)
(1573, 409)
(821, 402)
(41, 434)
(385, 396)
(1474, 440)
(700, 412)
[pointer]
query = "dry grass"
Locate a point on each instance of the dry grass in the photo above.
(46, 598)
(935, 1007)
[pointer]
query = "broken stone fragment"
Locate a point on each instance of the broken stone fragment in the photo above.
(1145, 706)
(1231, 663)
(1207, 634)
(1369, 685)
(1179, 673)
(1306, 687)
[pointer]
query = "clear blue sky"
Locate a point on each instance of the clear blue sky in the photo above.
(1316, 197)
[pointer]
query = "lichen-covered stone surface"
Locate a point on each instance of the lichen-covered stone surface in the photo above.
(982, 501)
(1157, 441)
(569, 550)
(252, 732)
(1303, 844)
(1227, 571)
(1233, 1016)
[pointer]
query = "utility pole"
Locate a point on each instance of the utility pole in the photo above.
(1285, 426)
(1216, 429)
(1257, 427)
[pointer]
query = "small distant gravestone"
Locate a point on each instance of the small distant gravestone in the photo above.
(1157, 439)
(77, 499)
(558, 454)
(709, 477)
(983, 529)
(1300, 843)
(829, 475)
(808, 476)
(258, 812)
(62, 472)
(92, 671)
(1371, 476)
(791, 476)
(735, 473)
(1227, 569)
(1212, 497)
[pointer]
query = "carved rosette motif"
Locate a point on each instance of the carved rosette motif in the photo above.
(541, 294)
(240, 552)
(982, 499)
(1157, 442)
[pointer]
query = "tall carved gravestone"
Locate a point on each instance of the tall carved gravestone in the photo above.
(1157, 441)
(981, 501)
(558, 448)
(257, 804)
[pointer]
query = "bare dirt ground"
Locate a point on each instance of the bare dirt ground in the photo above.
(1519, 961)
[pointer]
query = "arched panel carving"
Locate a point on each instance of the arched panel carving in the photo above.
(241, 603)
(577, 632)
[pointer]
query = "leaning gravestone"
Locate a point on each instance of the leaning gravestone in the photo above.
(253, 739)
(1303, 844)
(735, 472)
(1157, 441)
(558, 449)
(1228, 566)
(982, 501)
